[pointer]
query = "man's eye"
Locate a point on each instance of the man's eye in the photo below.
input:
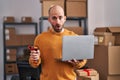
(60, 17)
(54, 18)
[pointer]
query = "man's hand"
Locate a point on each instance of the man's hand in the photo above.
(74, 61)
(34, 55)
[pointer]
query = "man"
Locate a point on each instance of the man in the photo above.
(50, 45)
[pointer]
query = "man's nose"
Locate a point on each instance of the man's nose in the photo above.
(57, 20)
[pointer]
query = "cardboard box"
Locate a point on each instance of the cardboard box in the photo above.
(20, 40)
(48, 0)
(10, 68)
(114, 77)
(104, 38)
(9, 19)
(11, 58)
(77, 30)
(86, 72)
(114, 30)
(46, 4)
(10, 36)
(11, 52)
(16, 41)
(10, 30)
(26, 19)
(10, 33)
(76, 8)
(29, 39)
(96, 77)
(26, 39)
(106, 61)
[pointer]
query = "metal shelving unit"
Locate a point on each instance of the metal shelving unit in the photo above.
(15, 24)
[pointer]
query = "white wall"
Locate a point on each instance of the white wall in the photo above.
(19, 8)
(95, 14)
(100, 13)
(112, 13)
(1, 41)
(16, 8)
(103, 13)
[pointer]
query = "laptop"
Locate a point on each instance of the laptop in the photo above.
(77, 47)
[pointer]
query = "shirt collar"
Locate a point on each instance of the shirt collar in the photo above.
(59, 32)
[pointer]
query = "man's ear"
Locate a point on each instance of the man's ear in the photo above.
(64, 18)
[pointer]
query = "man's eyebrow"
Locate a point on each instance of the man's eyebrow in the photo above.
(54, 17)
(61, 16)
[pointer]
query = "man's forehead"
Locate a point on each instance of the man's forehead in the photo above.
(54, 14)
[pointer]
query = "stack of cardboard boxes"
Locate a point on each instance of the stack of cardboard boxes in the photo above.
(107, 53)
(13, 39)
(72, 8)
(11, 56)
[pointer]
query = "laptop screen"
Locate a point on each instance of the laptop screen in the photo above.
(78, 47)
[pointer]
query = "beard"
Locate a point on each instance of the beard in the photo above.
(57, 28)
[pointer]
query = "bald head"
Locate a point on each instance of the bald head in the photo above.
(56, 9)
(56, 18)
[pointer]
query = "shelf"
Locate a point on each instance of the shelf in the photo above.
(10, 62)
(17, 23)
(10, 47)
(17, 47)
(68, 18)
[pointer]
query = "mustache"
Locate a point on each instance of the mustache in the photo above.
(57, 25)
